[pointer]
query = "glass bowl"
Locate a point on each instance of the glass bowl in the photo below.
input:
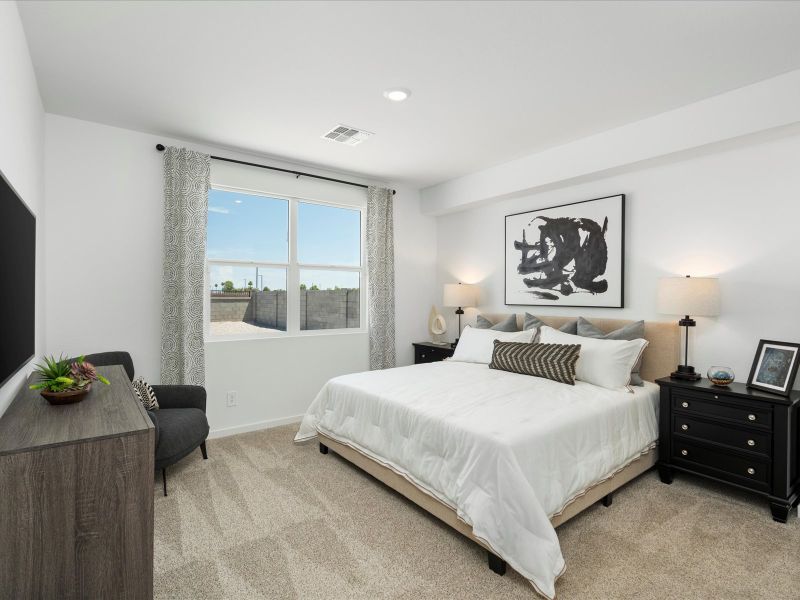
(721, 375)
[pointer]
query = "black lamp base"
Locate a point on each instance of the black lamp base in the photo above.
(686, 373)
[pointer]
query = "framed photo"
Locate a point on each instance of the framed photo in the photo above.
(774, 367)
(568, 255)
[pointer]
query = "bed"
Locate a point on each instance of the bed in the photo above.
(503, 458)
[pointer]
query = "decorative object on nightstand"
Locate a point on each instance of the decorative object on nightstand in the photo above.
(774, 367)
(437, 326)
(739, 436)
(695, 296)
(721, 376)
(427, 352)
(462, 296)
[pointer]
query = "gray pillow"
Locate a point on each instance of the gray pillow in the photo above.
(532, 322)
(509, 324)
(634, 331)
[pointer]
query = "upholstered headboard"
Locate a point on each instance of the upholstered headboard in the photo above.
(661, 355)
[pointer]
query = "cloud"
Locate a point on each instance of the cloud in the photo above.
(217, 209)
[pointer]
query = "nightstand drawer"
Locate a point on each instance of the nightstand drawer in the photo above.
(720, 406)
(751, 440)
(731, 467)
(427, 354)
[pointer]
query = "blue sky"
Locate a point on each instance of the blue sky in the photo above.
(248, 227)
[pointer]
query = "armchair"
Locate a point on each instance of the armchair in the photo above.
(180, 422)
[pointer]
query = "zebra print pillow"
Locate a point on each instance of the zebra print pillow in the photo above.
(550, 361)
(145, 394)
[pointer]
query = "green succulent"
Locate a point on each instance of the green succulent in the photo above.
(59, 375)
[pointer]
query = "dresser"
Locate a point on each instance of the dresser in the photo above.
(426, 352)
(76, 519)
(736, 435)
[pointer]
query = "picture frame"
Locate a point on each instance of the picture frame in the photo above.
(567, 255)
(774, 367)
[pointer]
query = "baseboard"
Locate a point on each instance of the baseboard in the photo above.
(226, 431)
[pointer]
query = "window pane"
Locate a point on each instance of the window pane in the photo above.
(247, 299)
(329, 299)
(247, 227)
(328, 235)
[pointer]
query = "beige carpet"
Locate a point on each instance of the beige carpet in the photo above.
(266, 518)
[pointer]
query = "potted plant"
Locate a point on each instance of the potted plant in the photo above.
(63, 382)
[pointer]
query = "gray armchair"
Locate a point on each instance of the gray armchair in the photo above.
(180, 422)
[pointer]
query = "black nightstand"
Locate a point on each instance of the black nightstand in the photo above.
(732, 434)
(426, 352)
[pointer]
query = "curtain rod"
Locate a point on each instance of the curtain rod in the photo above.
(161, 148)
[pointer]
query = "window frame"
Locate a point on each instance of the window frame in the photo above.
(293, 268)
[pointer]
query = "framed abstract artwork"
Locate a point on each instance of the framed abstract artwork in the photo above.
(774, 367)
(568, 255)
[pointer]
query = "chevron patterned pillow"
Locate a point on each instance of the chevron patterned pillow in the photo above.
(550, 361)
(145, 394)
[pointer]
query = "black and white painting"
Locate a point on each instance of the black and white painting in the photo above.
(569, 255)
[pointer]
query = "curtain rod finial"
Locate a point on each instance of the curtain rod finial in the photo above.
(160, 147)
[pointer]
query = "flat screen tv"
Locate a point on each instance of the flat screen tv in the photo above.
(17, 282)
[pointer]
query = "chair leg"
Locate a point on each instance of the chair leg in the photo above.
(203, 450)
(164, 478)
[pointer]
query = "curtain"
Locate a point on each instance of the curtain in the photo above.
(380, 275)
(186, 183)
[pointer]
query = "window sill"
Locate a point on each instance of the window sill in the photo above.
(282, 336)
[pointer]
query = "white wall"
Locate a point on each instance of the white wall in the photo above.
(732, 214)
(110, 180)
(22, 154)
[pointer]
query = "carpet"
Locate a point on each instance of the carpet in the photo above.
(265, 518)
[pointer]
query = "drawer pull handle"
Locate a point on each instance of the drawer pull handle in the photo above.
(751, 417)
(751, 471)
(684, 452)
(685, 404)
(684, 427)
(751, 442)
(423, 356)
(716, 397)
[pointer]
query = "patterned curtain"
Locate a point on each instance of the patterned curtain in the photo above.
(380, 272)
(186, 183)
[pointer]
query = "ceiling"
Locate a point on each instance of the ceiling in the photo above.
(490, 81)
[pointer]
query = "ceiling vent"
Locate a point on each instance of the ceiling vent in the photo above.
(347, 135)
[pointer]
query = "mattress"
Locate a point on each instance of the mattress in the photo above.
(505, 451)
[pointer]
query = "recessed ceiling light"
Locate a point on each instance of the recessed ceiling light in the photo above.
(396, 94)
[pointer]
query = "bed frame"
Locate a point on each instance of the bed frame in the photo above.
(660, 357)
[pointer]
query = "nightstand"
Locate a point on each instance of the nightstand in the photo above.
(733, 434)
(426, 352)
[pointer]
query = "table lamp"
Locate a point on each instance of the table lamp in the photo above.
(460, 295)
(696, 296)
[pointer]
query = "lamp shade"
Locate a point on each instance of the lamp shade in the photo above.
(693, 296)
(460, 294)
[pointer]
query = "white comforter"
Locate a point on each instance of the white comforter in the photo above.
(506, 451)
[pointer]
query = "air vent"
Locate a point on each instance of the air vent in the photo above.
(347, 135)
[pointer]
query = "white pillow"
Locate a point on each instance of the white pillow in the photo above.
(606, 363)
(477, 345)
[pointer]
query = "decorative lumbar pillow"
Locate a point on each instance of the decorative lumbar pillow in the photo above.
(477, 345)
(550, 361)
(606, 363)
(632, 331)
(145, 394)
(508, 324)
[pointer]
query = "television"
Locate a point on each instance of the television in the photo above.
(17, 282)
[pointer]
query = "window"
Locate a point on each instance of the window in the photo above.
(282, 265)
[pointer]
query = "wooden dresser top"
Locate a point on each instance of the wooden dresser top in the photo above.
(32, 423)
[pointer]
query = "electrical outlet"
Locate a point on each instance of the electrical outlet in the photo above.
(232, 399)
